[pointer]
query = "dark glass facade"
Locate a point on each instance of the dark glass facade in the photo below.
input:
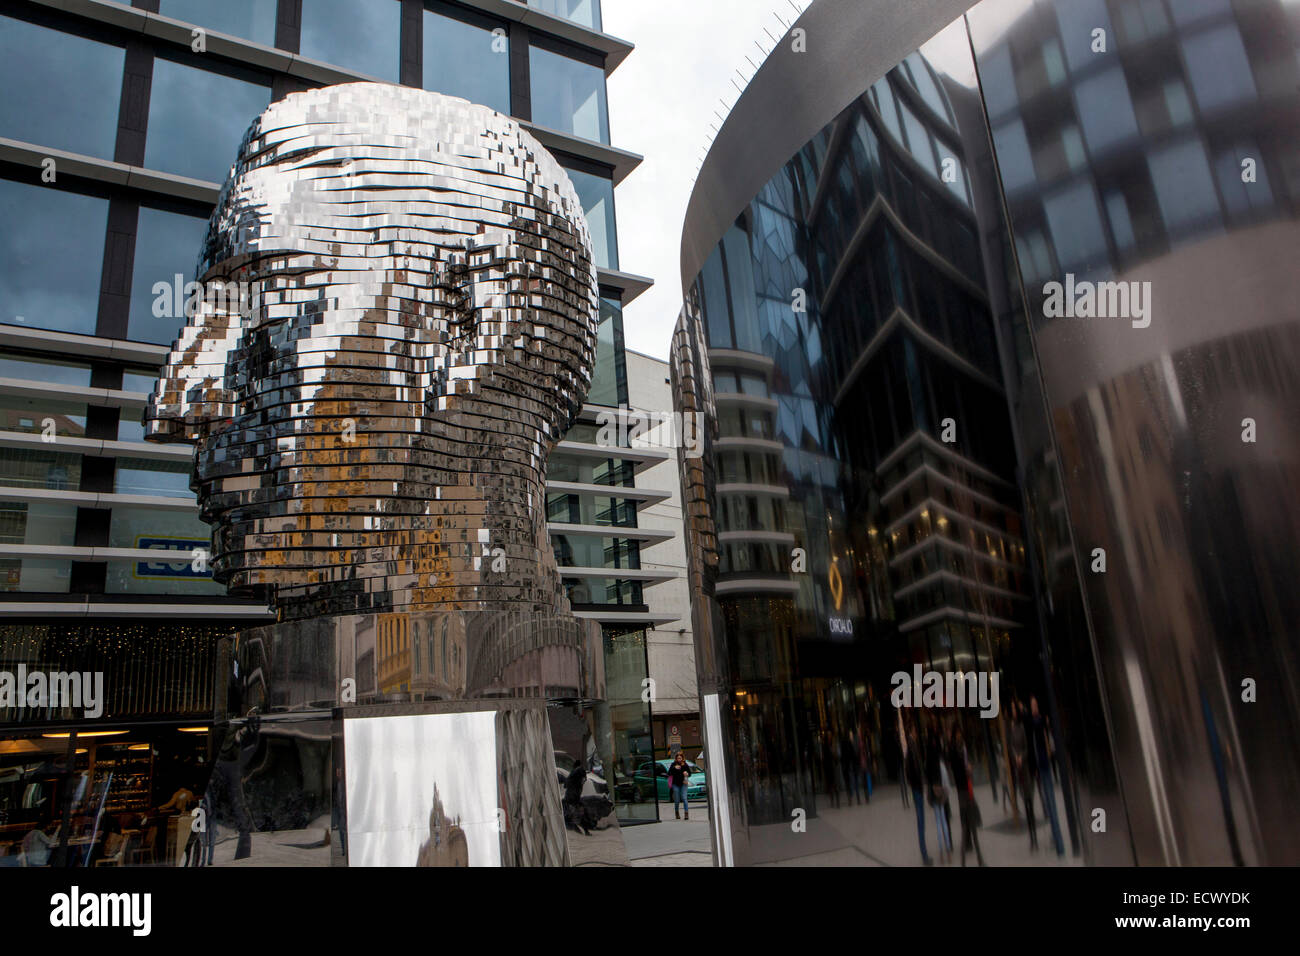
(914, 456)
(1169, 159)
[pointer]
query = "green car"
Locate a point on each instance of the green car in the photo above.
(696, 784)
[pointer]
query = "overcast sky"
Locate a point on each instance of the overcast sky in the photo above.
(661, 102)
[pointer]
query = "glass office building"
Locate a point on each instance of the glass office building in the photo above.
(996, 349)
(118, 125)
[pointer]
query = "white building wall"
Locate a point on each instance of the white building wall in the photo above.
(671, 647)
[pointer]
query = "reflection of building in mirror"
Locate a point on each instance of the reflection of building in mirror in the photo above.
(422, 789)
(446, 845)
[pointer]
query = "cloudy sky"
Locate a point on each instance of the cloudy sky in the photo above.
(661, 104)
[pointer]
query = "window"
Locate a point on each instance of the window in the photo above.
(998, 81)
(956, 181)
(583, 551)
(1241, 198)
(38, 522)
(883, 97)
(1076, 228)
(169, 573)
(360, 35)
(609, 377)
(596, 193)
(714, 302)
(1190, 11)
(568, 95)
(740, 281)
(464, 57)
(251, 19)
(918, 139)
(1140, 19)
(199, 143)
(166, 248)
(1078, 18)
(584, 12)
(142, 527)
(1058, 152)
(42, 416)
(1104, 108)
(38, 468)
(1072, 143)
(1218, 67)
(1035, 258)
(50, 268)
(1121, 224)
(916, 68)
(130, 425)
(1053, 63)
(60, 90)
(140, 476)
(1162, 106)
(35, 575)
(1184, 186)
(44, 370)
(1014, 159)
(139, 381)
(1177, 104)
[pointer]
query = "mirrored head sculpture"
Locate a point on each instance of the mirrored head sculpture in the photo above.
(396, 322)
(408, 327)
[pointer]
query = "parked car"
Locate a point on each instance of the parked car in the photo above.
(696, 783)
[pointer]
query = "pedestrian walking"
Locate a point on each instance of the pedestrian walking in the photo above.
(679, 772)
(959, 766)
(937, 794)
(914, 771)
(1021, 773)
(1040, 743)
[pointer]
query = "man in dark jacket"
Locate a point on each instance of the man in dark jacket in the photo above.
(1040, 745)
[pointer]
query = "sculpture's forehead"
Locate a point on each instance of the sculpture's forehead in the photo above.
(364, 118)
(396, 150)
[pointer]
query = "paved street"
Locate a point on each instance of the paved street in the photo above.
(879, 833)
(883, 833)
(671, 842)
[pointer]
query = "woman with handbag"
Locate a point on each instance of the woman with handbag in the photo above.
(937, 794)
(678, 774)
(959, 763)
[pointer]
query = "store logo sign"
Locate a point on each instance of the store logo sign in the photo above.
(182, 566)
